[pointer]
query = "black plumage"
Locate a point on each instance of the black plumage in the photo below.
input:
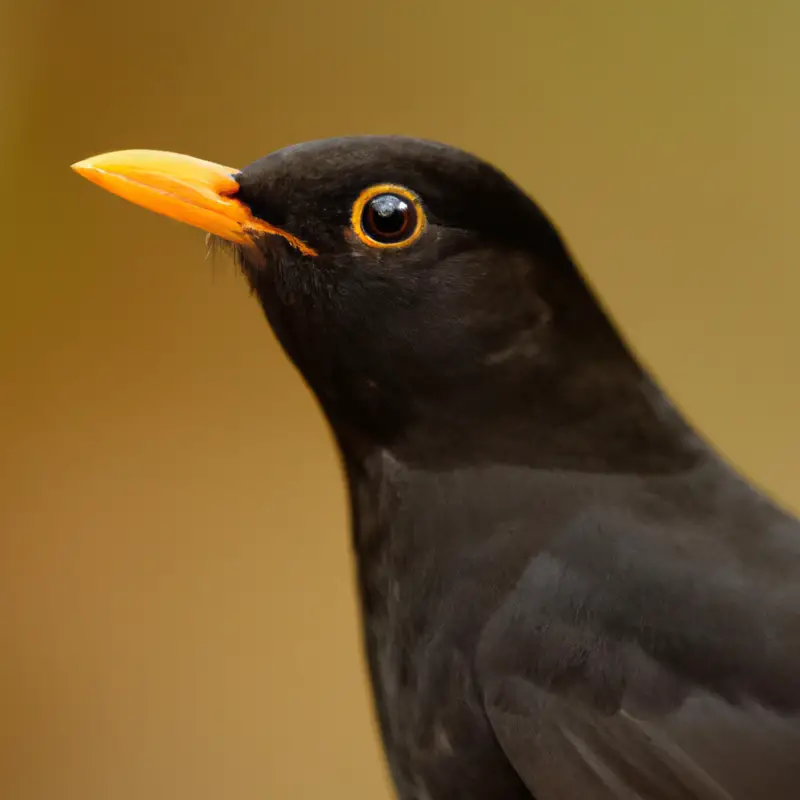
(567, 593)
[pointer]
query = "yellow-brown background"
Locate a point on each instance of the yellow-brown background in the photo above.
(176, 613)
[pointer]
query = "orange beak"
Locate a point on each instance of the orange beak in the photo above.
(190, 190)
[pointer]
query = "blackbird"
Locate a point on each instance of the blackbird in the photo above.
(567, 592)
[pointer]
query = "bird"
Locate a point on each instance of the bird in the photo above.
(566, 591)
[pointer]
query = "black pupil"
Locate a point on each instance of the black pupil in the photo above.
(388, 217)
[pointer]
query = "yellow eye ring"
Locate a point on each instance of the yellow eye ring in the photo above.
(388, 215)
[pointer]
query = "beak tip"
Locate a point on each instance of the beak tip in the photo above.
(81, 167)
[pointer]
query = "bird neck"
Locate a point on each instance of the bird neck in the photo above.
(607, 417)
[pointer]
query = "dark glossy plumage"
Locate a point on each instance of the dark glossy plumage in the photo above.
(567, 594)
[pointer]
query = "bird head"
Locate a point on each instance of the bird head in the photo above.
(427, 300)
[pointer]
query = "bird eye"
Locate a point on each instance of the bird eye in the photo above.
(388, 215)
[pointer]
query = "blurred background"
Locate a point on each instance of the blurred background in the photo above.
(177, 617)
